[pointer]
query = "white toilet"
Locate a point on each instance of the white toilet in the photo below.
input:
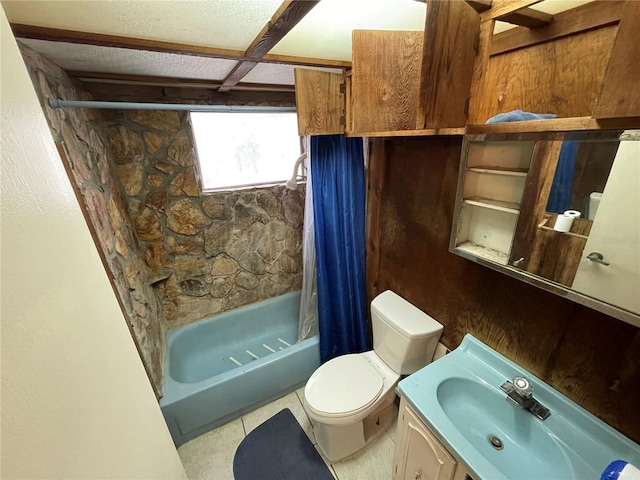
(350, 399)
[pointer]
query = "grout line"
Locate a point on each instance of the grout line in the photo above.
(243, 427)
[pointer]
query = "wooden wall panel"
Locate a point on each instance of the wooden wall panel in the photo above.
(386, 80)
(588, 356)
(562, 77)
(619, 97)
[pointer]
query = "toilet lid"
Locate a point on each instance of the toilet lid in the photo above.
(342, 385)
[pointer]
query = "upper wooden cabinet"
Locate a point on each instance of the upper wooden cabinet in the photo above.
(385, 84)
(400, 80)
(320, 102)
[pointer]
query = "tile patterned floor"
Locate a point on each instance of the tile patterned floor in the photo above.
(210, 456)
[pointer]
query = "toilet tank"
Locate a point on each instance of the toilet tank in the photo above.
(404, 337)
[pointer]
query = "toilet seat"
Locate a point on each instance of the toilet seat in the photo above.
(344, 386)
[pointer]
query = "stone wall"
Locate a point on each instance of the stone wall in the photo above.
(208, 253)
(89, 158)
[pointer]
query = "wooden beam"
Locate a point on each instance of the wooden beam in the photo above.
(125, 79)
(586, 17)
(110, 92)
(132, 43)
(527, 17)
(499, 8)
(480, 6)
(281, 23)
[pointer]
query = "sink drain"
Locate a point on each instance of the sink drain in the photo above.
(495, 442)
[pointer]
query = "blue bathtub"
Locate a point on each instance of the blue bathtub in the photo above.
(225, 366)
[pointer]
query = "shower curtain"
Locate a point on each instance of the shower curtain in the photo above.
(337, 172)
(308, 320)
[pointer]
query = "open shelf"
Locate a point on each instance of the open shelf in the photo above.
(484, 252)
(555, 125)
(508, 207)
(493, 170)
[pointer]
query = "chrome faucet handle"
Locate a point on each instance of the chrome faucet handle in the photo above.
(523, 387)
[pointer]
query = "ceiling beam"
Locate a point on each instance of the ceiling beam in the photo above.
(127, 79)
(132, 43)
(282, 22)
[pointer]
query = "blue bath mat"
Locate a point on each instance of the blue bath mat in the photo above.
(279, 450)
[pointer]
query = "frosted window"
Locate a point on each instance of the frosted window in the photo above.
(240, 150)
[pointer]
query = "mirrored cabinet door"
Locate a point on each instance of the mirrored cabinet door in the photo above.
(557, 210)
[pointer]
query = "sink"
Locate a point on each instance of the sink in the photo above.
(460, 400)
(527, 449)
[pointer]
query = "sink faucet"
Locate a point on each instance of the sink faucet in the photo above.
(520, 393)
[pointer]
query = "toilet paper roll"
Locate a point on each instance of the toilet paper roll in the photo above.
(572, 213)
(563, 223)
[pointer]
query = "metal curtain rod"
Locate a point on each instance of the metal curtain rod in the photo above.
(59, 103)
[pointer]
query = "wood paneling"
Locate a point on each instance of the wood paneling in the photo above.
(596, 14)
(320, 102)
(588, 356)
(619, 97)
(561, 77)
(385, 80)
(450, 43)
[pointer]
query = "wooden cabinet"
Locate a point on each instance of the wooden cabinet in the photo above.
(419, 455)
(492, 181)
(320, 101)
(400, 81)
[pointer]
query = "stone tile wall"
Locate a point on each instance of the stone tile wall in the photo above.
(208, 253)
(90, 160)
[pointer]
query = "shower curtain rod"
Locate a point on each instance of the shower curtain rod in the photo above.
(59, 103)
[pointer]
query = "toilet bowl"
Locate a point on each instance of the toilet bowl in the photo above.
(350, 398)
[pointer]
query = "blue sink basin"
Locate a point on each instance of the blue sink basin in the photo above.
(526, 449)
(460, 400)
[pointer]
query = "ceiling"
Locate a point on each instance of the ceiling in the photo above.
(324, 33)
(320, 39)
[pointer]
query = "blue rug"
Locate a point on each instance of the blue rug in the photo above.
(279, 450)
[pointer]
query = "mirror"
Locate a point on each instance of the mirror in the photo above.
(557, 210)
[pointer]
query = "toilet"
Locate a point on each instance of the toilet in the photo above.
(350, 399)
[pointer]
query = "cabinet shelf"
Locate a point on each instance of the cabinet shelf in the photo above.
(484, 252)
(508, 207)
(493, 170)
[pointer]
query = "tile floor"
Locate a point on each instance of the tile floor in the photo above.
(210, 456)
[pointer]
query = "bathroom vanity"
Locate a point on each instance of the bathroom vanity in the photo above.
(419, 455)
(460, 418)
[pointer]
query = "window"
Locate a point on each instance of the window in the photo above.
(241, 150)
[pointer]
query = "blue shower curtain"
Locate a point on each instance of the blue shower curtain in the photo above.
(337, 173)
(562, 186)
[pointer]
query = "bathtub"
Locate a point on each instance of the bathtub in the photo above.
(225, 366)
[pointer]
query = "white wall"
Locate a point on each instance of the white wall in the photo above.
(76, 402)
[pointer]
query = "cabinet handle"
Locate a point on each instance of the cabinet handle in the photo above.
(597, 257)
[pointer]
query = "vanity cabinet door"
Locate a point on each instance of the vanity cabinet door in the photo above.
(419, 455)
